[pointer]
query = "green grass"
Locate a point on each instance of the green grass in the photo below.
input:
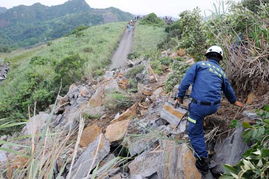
(29, 82)
(146, 38)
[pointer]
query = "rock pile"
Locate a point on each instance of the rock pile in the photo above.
(3, 71)
(145, 140)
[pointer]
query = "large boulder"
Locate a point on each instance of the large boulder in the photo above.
(37, 123)
(145, 165)
(229, 151)
(138, 145)
(95, 153)
(128, 114)
(117, 130)
(89, 135)
(171, 161)
(178, 161)
(172, 115)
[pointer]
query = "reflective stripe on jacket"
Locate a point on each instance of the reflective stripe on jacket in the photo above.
(208, 81)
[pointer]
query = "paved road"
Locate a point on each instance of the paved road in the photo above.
(119, 59)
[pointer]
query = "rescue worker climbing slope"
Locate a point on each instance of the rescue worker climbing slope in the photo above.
(208, 81)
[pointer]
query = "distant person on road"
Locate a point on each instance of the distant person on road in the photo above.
(208, 81)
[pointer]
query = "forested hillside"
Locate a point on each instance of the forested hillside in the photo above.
(44, 69)
(28, 25)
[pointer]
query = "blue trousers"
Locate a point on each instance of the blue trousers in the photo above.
(197, 113)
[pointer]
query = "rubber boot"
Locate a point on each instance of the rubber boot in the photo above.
(202, 164)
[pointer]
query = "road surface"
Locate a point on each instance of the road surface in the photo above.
(119, 59)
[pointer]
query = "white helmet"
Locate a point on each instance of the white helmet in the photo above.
(216, 49)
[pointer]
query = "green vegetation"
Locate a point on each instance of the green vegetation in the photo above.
(179, 68)
(146, 39)
(37, 74)
(117, 100)
(187, 33)
(28, 25)
(255, 162)
(134, 71)
(152, 19)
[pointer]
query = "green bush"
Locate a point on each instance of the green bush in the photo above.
(78, 31)
(187, 33)
(179, 68)
(69, 70)
(38, 60)
(134, 71)
(152, 19)
(117, 100)
(133, 55)
(254, 5)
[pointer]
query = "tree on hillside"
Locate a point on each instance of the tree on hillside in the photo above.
(152, 19)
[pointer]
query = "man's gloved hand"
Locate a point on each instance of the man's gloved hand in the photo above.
(239, 104)
(178, 101)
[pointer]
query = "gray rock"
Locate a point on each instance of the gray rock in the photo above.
(251, 115)
(91, 157)
(108, 74)
(178, 161)
(229, 151)
(140, 77)
(37, 123)
(145, 164)
(141, 144)
(3, 156)
(172, 115)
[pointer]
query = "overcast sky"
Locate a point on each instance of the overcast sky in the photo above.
(160, 7)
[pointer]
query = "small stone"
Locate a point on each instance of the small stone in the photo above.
(251, 115)
(147, 91)
(128, 114)
(251, 98)
(84, 91)
(123, 83)
(117, 130)
(3, 157)
(181, 52)
(140, 77)
(89, 135)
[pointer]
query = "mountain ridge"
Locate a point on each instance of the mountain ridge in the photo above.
(23, 26)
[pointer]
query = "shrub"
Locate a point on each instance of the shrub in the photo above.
(117, 100)
(88, 50)
(134, 71)
(152, 19)
(179, 68)
(253, 5)
(187, 33)
(69, 70)
(38, 60)
(133, 55)
(78, 31)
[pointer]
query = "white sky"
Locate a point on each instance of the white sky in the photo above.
(141, 7)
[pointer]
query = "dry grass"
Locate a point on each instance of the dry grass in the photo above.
(248, 66)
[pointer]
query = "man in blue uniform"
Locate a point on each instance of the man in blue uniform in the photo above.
(208, 81)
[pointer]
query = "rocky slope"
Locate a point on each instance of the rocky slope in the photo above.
(98, 138)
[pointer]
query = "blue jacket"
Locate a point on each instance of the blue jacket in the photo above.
(208, 82)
